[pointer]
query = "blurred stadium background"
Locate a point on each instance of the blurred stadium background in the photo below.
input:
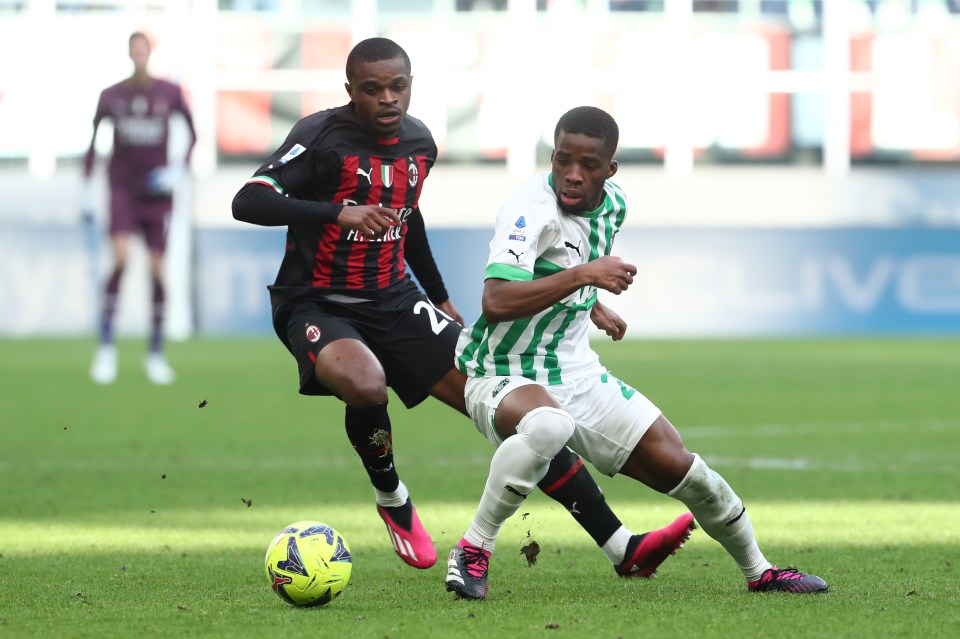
(792, 164)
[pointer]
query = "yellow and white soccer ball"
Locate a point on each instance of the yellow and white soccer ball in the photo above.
(308, 563)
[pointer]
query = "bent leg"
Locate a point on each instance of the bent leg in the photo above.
(567, 480)
(351, 370)
(722, 515)
(661, 461)
(535, 429)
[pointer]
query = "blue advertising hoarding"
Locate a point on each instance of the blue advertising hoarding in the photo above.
(690, 282)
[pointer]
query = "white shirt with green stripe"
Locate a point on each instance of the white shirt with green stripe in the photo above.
(535, 238)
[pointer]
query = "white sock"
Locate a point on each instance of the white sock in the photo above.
(396, 498)
(518, 464)
(722, 515)
(616, 546)
(513, 465)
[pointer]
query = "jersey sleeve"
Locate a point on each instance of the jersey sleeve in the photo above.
(184, 110)
(296, 166)
(101, 111)
(289, 171)
(522, 229)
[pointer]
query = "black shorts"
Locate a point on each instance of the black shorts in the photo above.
(413, 341)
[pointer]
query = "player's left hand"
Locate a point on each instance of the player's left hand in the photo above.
(608, 321)
(450, 311)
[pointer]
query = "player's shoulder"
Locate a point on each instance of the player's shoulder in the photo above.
(538, 192)
(617, 197)
(166, 85)
(416, 136)
(115, 89)
(534, 200)
(415, 126)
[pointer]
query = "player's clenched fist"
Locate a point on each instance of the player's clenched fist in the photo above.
(611, 273)
(369, 220)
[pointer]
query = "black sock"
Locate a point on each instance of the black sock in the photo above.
(368, 429)
(568, 482)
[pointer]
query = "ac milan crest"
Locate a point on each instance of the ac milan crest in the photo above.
(413, 174)
(313, 333)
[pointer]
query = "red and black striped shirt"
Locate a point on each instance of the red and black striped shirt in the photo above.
(329, 161)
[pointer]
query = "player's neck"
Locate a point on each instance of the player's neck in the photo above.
(140, 79)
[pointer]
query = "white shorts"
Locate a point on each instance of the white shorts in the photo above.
(610, 416)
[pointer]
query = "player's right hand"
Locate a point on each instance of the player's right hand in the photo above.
(611, 273)
(163, 180)
(368, 220)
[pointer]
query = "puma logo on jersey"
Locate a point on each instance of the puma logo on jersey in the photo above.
(365, 174)
(516, 255)
(575, 248)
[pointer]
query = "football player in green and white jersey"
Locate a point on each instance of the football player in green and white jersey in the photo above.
(534, 384)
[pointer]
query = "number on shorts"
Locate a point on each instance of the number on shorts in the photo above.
(437, 323)
(625, 390)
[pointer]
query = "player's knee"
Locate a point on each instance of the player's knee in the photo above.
(361, 389)
(364, 394)
(546, 430)
(703, 485)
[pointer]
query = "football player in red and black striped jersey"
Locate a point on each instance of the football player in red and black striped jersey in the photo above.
(346, 183)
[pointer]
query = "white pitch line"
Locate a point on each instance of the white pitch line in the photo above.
(941, 466)
(828, 428)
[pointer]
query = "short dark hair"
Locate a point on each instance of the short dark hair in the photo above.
(592, 122)
(374, 50)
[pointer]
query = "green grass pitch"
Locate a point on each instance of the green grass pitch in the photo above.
(129, 510)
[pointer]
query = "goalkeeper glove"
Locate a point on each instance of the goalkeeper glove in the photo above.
(163, 180)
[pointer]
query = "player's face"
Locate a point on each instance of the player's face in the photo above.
(381, 95)
(140, 53)
(580, 166)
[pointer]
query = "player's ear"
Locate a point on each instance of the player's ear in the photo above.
(612, 169)
(349, 89)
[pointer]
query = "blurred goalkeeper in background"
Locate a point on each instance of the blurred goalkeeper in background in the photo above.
(141, 180)
(346, 183)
